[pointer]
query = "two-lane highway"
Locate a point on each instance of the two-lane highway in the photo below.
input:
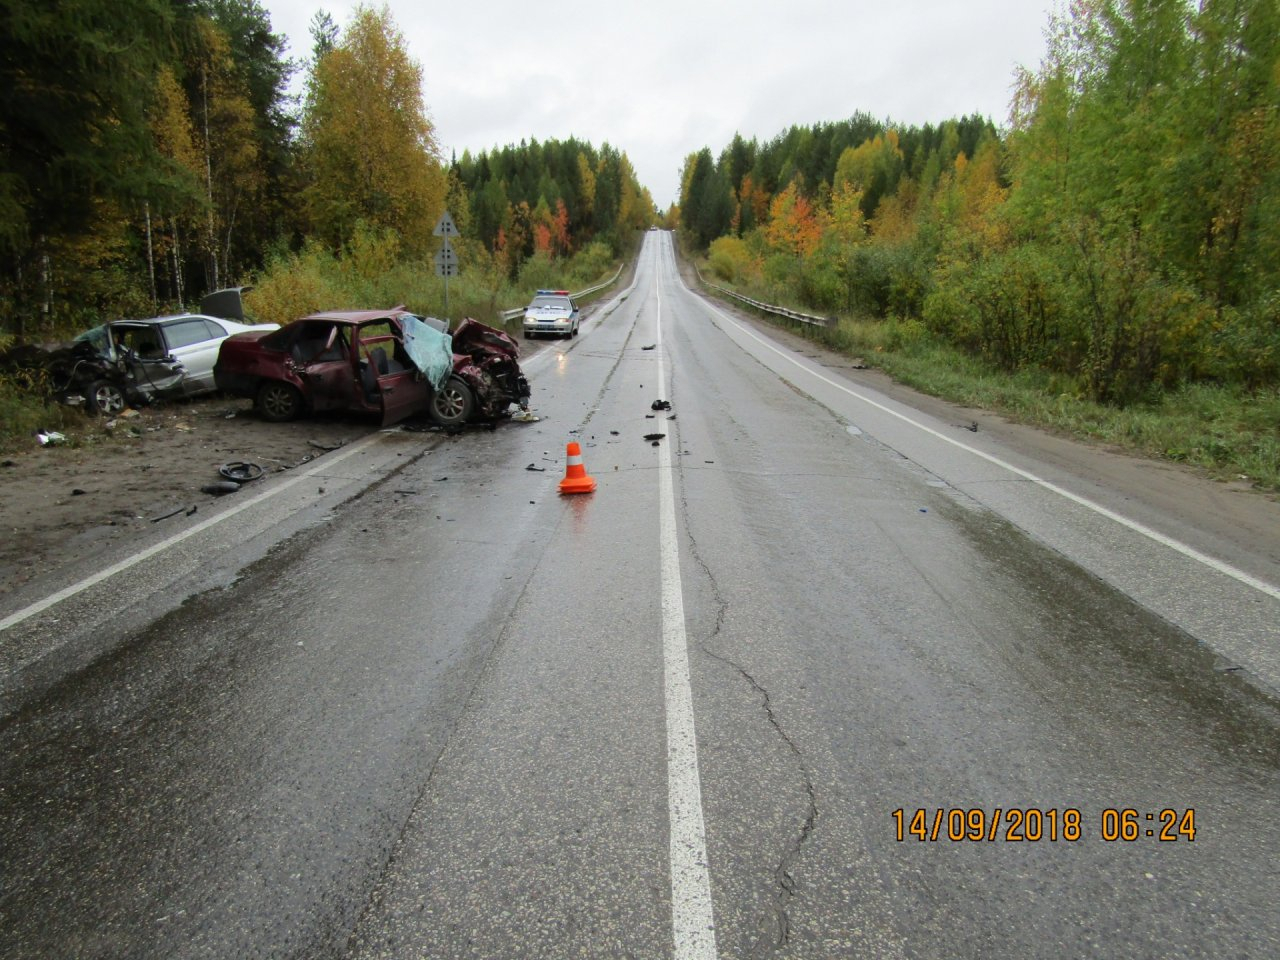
(807, 676)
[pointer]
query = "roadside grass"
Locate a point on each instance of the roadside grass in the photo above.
(24, 411)
(371, 273)
(1230, 433)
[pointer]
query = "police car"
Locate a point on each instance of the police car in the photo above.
(551, 313)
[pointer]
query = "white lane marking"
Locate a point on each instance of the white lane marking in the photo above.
(692, 921)
(1186, 550)
(40, 606)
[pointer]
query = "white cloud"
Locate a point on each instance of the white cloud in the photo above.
(663, 79)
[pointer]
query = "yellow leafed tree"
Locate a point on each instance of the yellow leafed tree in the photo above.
(371, 153)
(587, 176)
(171, 219)
(847, 226)
(232, 164)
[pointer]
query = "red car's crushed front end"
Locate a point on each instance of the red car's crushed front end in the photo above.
(487, 359)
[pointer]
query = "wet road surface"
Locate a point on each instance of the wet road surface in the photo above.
(436, 718)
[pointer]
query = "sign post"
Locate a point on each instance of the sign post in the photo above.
(446, 260)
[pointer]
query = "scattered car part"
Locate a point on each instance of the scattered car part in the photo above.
(220, 488)
(240, 471)
(227, 303)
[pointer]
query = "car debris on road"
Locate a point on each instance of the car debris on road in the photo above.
(240, 471)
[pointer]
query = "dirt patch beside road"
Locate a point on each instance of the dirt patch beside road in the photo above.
(113, 478)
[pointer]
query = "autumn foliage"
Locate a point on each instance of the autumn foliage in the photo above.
(131, 184)
(1124, 230)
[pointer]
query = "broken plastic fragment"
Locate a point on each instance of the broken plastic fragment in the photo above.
(220, 488)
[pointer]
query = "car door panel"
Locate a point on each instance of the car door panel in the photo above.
(403, 394)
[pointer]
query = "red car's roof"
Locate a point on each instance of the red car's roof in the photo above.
(356, 316)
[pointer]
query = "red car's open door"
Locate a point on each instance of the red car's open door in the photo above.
(389, 376)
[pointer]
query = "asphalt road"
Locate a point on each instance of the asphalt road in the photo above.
(419, 705)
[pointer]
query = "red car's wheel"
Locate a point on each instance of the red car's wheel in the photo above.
(453, 404)
(278, 402)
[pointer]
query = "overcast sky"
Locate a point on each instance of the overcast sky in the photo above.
(664, 78)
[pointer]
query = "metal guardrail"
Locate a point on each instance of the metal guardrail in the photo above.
(519, 311)
(768, 307)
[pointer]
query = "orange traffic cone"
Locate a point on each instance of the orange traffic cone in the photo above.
(575, 474)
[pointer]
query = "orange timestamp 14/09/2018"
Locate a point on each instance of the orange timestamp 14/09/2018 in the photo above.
(1036, 824)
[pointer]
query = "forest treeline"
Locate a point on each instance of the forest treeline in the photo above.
(551, 197)
(150, 151)
(1123, 232)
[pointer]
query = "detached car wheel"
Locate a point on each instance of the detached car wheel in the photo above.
(453, 404)
(278, 402)
(105, 398)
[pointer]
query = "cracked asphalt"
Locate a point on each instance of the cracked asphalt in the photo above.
(425, 717)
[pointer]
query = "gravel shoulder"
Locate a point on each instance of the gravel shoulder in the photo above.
(114, 480)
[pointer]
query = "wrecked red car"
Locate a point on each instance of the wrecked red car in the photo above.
(390, 363)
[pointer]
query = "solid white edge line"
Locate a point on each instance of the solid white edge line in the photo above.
(692, 919)
(1133, 525)
(53, 599)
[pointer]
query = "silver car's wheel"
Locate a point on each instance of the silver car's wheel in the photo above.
(105, 398)
(453, 404)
